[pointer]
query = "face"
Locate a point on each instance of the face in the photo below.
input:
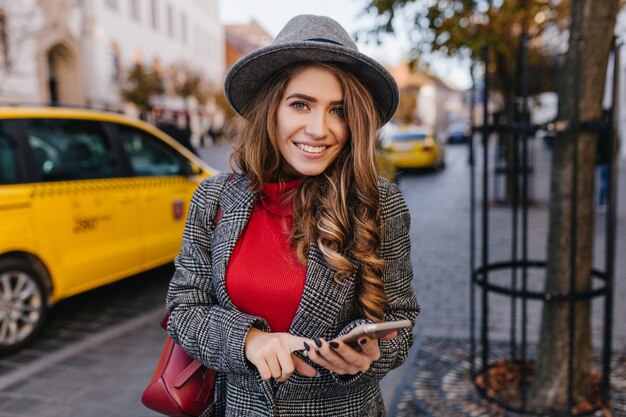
(312, 130)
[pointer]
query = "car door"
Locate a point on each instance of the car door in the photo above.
(165, 188)
(85, 213)
(16, 233)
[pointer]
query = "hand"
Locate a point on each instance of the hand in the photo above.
(342, 359)
(272, 355)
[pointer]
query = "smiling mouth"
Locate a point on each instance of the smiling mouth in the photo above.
(311, 149)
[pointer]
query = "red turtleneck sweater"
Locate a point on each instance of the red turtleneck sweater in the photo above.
(264, 277)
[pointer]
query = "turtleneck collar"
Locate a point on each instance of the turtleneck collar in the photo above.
(273, 194)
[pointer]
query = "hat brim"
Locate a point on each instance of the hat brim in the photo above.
(246, 76)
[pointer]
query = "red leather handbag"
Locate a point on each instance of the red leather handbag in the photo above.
(180, 385)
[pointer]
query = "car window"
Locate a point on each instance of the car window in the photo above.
(67, 149)
(405, 137)
(150, 156)
(8, 156)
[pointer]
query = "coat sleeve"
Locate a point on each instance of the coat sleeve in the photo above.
(210, 333)
(397, 278)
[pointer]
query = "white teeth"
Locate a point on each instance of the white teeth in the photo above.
(311, 149)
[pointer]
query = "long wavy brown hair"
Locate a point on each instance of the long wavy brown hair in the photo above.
(338, 209)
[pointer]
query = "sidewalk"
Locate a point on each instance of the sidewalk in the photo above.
(436, 383)
(94, 357)
(435, 380)
(101, 376)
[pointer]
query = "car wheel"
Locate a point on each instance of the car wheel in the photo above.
(23, 307)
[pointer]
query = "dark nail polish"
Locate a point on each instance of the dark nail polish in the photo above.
(333, 344)
(317, 341)
(363, 341)
(306, 346)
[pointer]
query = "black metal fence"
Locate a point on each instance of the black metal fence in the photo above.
(515, 288)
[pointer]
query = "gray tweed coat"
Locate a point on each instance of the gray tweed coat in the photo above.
(205, 322)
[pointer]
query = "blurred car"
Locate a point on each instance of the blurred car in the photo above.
(413, 147)
(458, 132)
(386, 167)
(87, 198)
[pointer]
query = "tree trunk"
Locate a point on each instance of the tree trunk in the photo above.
(550, 386)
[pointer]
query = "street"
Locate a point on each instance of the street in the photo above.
(100, 348)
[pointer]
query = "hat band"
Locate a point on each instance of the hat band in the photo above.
(323, 40)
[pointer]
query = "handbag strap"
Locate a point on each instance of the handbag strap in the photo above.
(187, 373)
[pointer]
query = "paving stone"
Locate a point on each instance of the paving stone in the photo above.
(94, 410)
(53, 410)
(441, 385)
(21, 406)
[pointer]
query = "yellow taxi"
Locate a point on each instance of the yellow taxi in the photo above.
(86, 198)
(413, 147)
(385, 165)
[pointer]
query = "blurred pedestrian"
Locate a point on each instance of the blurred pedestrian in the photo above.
(170, 126)
(603, 156)
(304, 242)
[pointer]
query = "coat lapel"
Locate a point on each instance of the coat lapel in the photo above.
(323, 299)
(236, 202)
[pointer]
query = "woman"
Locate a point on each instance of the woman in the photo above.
(305, 242)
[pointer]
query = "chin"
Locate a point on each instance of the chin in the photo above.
(311, 172)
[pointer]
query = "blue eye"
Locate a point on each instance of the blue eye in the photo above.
(338, 111)
(298, 105)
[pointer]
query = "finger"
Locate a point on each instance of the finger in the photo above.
(295, 343)
(304, 368)
(347, 359)
(369, 347)
(358, 360)
(285, 361)
(390, 336)
(274, 366)
(324, 356)
(317, 358)
(264, 370)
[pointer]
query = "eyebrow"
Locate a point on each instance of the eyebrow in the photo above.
(311, 99)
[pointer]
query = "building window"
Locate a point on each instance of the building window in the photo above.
(134, 9)
(170, 20)
(112, 4)
(154, 13)
(115, 66)
(4, 41)
(183, 28)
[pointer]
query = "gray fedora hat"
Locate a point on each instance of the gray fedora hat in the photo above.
(309, 38)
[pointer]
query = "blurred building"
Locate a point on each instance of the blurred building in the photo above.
(244, 38)
(79, 51)
(437, 103)
(620, 108)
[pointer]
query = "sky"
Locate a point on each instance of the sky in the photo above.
(273, 14)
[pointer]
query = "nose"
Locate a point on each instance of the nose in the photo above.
(316, 126)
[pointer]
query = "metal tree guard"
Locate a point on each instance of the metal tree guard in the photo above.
(517, 290)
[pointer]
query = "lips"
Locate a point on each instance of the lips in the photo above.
(311, 149)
